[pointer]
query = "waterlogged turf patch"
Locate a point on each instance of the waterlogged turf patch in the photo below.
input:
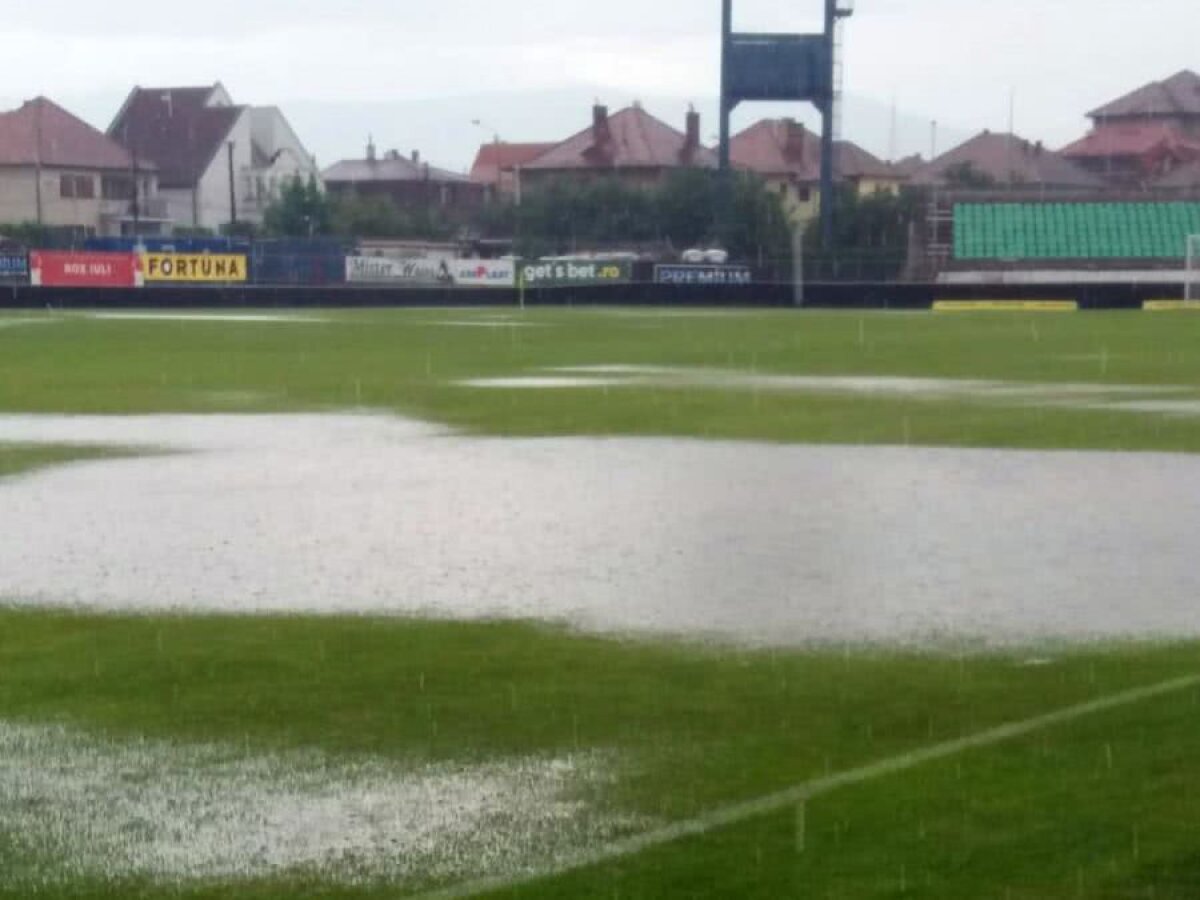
(486, 323)
(1100, 396)
(75, 807)
(742, 543)
(249, 318)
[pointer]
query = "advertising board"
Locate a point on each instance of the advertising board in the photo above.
(431, 272)
(410, 272)
(54, 269)
(195, 267)
(719, 275)
(575, 273)
(955, 306)
(13, 265)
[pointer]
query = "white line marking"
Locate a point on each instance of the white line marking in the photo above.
(802, 793)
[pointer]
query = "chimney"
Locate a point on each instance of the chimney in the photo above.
(371, 157)
(794, 141)
(416, 157)
(693, 131)
(600, 132)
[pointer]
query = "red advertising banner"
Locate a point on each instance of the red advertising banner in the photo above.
(52, 269)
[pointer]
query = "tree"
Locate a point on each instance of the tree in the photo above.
(301, 210)
(871, 235)
(966, 175)
(688, 204)
(758, 230)
(28, 234)
(684, 211)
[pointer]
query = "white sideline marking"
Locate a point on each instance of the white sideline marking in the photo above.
(806, 791)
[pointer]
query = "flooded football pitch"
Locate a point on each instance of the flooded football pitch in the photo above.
(734, 542)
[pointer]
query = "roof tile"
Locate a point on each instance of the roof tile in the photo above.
(495, 158)
(42, 132)
(1007, 156)
(782, 146)
(634, 139)
(177, 129)
(1179, 95)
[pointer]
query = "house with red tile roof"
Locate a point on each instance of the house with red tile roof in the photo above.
(498, 165)
(59, 171)
(409, 182)
(1174, 102)
(218, 161)
(630, 145)
(997, 161)
(1184, 179)
(1134, 154)
(788, 156)
(1141, 138)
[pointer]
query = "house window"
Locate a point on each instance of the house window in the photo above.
(115, 187)
(77, 187)
(804, 194)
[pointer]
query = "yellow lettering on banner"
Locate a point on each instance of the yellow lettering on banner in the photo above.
(1171, 305)
(193, 267)
(1006, 306)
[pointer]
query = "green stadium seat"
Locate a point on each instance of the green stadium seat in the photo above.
(1082, 231)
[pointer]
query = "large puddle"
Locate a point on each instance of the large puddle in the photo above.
(779, 545)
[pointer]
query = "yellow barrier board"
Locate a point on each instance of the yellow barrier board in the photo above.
(1171, 305)
(1006, 306)
(194, 267)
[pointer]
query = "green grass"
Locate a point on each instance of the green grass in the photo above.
(16, 459)
(707, 728)
(1103, 808)
(405, 361)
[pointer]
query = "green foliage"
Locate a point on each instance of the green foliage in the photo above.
(377, 216)
(684, 210)
(966, 175)
(240, 229)
(33, 236)
(871, 235)
(688, 204)
(301, 210)
(197, 231)
(27, 234)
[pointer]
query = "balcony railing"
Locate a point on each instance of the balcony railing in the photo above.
(149, 208)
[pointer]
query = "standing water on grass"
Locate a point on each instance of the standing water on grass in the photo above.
(744, 543)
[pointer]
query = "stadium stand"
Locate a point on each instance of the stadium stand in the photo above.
(993, 232)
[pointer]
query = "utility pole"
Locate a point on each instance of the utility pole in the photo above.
(137, 224)
(726, 100)
(232, 189)
(725, 163)
(835, 11)
(37, 156)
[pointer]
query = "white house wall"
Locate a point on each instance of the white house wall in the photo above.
(289, 157)
(212, 192)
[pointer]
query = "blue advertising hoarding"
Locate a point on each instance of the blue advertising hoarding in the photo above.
(13, 265)
(718, 275)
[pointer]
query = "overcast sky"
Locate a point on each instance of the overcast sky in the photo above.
(530, 69)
